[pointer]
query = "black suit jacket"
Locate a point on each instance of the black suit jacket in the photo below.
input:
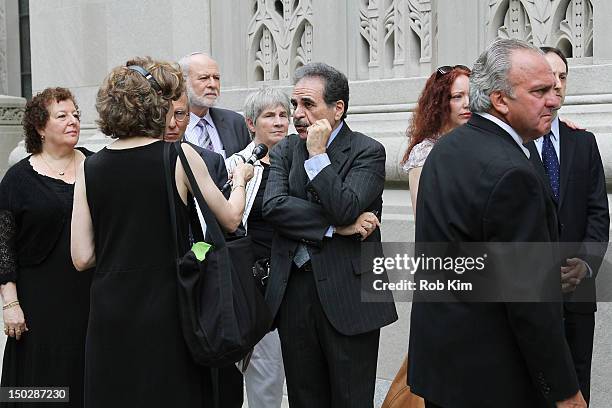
(302, 211)
(583, 206)
(232, 130)
(477, 185)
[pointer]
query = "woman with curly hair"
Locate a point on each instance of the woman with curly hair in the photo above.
(135, 353)
(443, 105)
(45, 300)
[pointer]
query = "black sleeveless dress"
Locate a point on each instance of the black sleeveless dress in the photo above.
(53, 295)
(135, 352)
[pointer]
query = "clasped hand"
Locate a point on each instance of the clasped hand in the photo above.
(572, 274)
(365, 225)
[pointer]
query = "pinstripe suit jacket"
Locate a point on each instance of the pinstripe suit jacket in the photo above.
(302, 211)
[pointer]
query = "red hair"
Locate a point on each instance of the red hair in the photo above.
(433, 108)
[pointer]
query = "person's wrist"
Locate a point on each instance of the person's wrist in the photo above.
(10, 305)
(237, 186)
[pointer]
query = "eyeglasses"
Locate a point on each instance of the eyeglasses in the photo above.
(445, 69)
(180, 115)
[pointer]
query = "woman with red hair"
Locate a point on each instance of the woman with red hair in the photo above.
(443, 105)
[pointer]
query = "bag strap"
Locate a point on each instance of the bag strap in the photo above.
(213, 371)
(212, 227)
(171, 203)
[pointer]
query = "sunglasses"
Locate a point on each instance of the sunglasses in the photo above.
(445, 69)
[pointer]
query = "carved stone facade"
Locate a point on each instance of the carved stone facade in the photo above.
(279, 37)
(396, 38)
(566, 24)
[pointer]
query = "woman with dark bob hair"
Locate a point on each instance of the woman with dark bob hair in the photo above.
(45, 300)
(135, 353)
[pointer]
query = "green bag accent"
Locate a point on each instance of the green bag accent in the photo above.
(200, 249)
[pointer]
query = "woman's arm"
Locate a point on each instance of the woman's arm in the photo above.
(228, 212)
(82, 247)
(414, 175)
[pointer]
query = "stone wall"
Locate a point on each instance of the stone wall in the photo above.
(11, 113)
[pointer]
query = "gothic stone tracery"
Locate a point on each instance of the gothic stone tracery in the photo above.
(567, 24)
(279, 37)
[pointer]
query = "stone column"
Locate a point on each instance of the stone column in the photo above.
(602, 31)
(11, 114)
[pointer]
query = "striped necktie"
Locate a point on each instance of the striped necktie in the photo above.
(204, 139)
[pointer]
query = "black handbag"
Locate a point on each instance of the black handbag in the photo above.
(222, 312)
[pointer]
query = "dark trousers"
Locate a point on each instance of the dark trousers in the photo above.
(323, 368)
(579, 331)
(229, 387)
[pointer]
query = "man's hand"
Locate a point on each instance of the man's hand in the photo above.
(571, 125)
(365, 225)
(572, 274)
(318, 135)
(575, 401)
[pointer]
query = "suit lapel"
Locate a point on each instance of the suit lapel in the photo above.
(297, 174)
(567, 145)
(222, 129)
(338, 149)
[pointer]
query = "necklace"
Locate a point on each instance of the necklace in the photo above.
(59, 172)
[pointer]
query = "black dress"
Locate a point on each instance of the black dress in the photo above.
(53, 295)
(135, 352)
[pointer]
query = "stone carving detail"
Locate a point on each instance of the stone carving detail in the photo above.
(577, 28)
(389, 34)
(11, 115)
(3, 59)
(280, 37)
(539, 22)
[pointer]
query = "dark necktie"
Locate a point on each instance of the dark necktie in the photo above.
(551, 165)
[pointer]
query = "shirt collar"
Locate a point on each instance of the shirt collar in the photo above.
(507, 128)
(334, 134)
(194, 119)
(554, 128)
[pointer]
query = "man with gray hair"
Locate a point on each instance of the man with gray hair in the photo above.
(325, 186)
(478, 186)
(216, 129)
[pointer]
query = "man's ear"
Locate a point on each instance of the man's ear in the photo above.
(250, 125)
(339, 110)
(499, 102)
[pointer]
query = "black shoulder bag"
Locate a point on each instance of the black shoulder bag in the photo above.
(223, 315)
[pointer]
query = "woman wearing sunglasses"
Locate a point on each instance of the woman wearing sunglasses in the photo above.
(442, 106)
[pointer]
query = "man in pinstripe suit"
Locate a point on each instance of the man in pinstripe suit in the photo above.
(325, 185)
